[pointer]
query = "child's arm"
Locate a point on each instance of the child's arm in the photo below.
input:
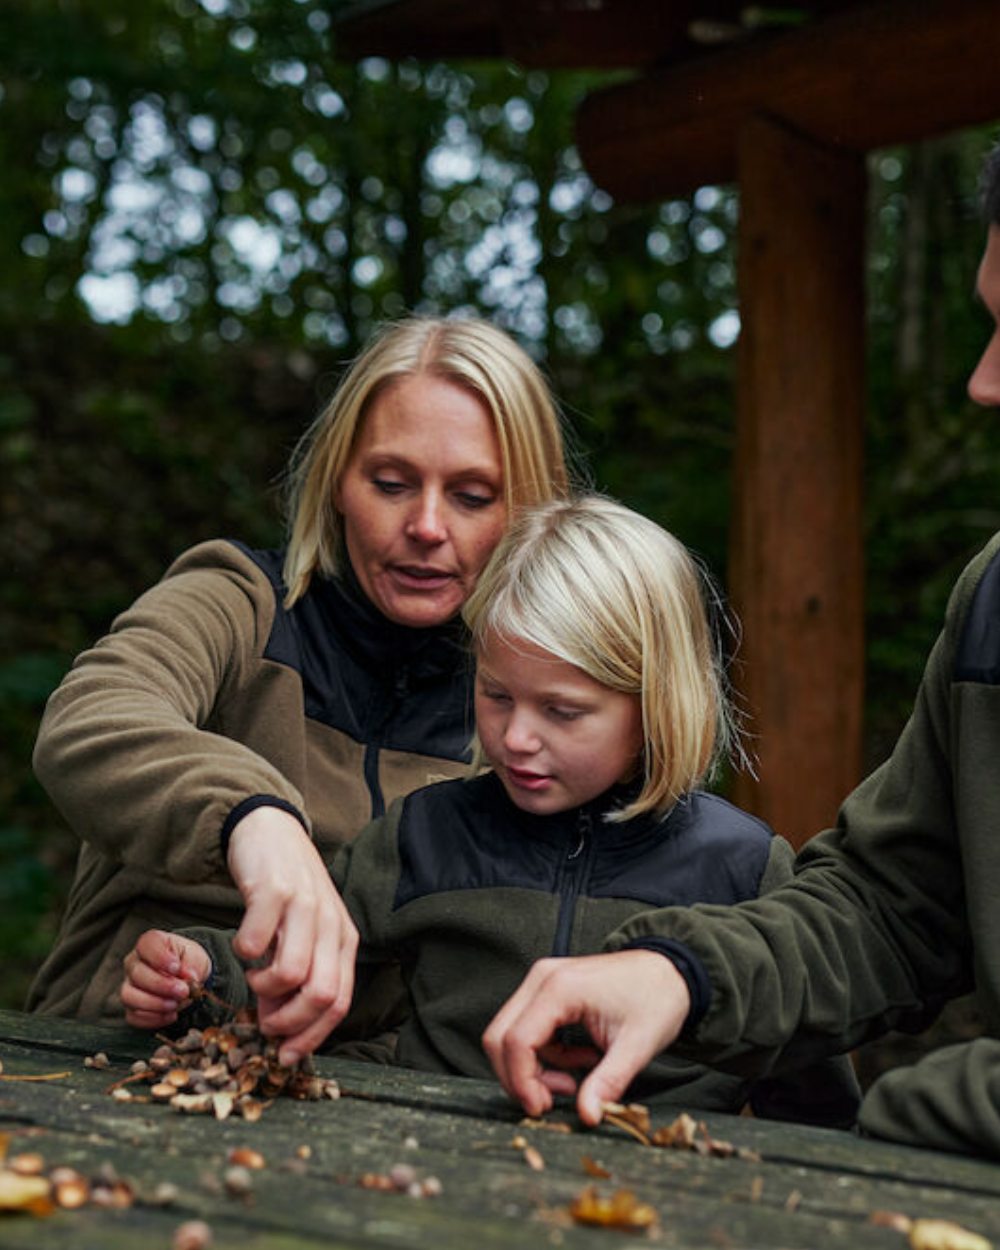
(159, 972)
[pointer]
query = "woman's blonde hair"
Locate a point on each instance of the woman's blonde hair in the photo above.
(469, 352)
(610, 592)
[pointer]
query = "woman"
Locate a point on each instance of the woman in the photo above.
(253, 710)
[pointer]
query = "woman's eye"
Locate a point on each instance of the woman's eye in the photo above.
(473, 501)
(387, 486)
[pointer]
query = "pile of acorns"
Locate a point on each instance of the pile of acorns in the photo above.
(223, 1070)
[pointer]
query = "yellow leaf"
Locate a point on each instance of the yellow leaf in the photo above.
(25, 1193)
(944, 1235)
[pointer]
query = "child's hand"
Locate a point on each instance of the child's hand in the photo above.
(159, 972)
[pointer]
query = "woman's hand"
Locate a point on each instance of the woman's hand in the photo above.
(296, 918)
(159, 972)
(633, 1003)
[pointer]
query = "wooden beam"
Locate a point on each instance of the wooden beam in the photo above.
(561, 34)
(886, 73)
(796, 562)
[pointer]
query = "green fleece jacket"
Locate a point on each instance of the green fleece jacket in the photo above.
(890, 914)
(206, 699)
(467, 890)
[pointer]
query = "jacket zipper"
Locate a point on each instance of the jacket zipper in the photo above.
(574, 871)
(400, 689)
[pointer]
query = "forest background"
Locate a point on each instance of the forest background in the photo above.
(205, 214)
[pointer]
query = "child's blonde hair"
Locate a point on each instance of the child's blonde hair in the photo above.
(610, 592)
(469, 352)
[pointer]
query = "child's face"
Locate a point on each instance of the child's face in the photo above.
(555, 737)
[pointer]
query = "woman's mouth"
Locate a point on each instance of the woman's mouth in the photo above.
(420, 576)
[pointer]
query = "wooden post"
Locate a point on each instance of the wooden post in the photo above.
(796, 562)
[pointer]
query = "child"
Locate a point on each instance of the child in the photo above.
(600, 707)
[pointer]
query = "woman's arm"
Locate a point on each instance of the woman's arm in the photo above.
(134, 747)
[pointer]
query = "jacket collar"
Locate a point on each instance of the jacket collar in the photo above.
(382, 645)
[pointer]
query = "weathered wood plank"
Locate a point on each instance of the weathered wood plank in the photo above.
(811, 1188)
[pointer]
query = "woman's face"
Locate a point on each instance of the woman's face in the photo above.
(422, 498)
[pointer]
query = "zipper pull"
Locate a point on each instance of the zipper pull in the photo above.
(583, 824)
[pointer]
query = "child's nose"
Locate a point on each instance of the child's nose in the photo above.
(520, 735)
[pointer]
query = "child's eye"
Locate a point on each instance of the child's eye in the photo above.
(565, 713)
(494, 696)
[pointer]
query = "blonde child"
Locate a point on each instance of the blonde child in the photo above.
(600, 709)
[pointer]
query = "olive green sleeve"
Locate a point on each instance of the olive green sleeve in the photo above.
(950, 1100)
(825, 1092)
(130, 747)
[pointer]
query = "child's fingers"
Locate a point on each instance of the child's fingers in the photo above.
(150, 981)
(173, 955)
(146, 1010)
(149, 1019)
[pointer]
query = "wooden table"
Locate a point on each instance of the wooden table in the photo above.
(810, 1188)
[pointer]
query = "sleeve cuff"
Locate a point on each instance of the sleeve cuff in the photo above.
(689, 966)
(250, 805)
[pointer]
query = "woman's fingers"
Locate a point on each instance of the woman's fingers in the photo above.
(305, 1016)
(294, 912)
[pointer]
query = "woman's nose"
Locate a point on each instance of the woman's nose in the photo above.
(984, 384)
(427, 524)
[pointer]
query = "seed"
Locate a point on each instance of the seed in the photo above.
(432, 1187)
(402, 1175)
(28, 1164)
(140, 1065)
(192, 1235)
(71, 1192)
(246, 1157)
(122, 1095)
(165, 1193)
(304, 1152)
(238, 1181)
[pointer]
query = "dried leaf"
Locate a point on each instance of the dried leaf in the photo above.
(633, 1113)
(680, 1133)
(634, 1120)
(621, 1210)
(944, 1235)
(891, 1219)
(222, 1105)
(552, 1126)
(533, 1158)
(595, 1169)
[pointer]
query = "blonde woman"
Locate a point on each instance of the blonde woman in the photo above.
(600, 708)
(253, 710)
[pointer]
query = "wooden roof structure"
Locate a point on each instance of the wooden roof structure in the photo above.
(785, 101)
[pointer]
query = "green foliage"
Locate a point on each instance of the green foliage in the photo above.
(207, 212)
